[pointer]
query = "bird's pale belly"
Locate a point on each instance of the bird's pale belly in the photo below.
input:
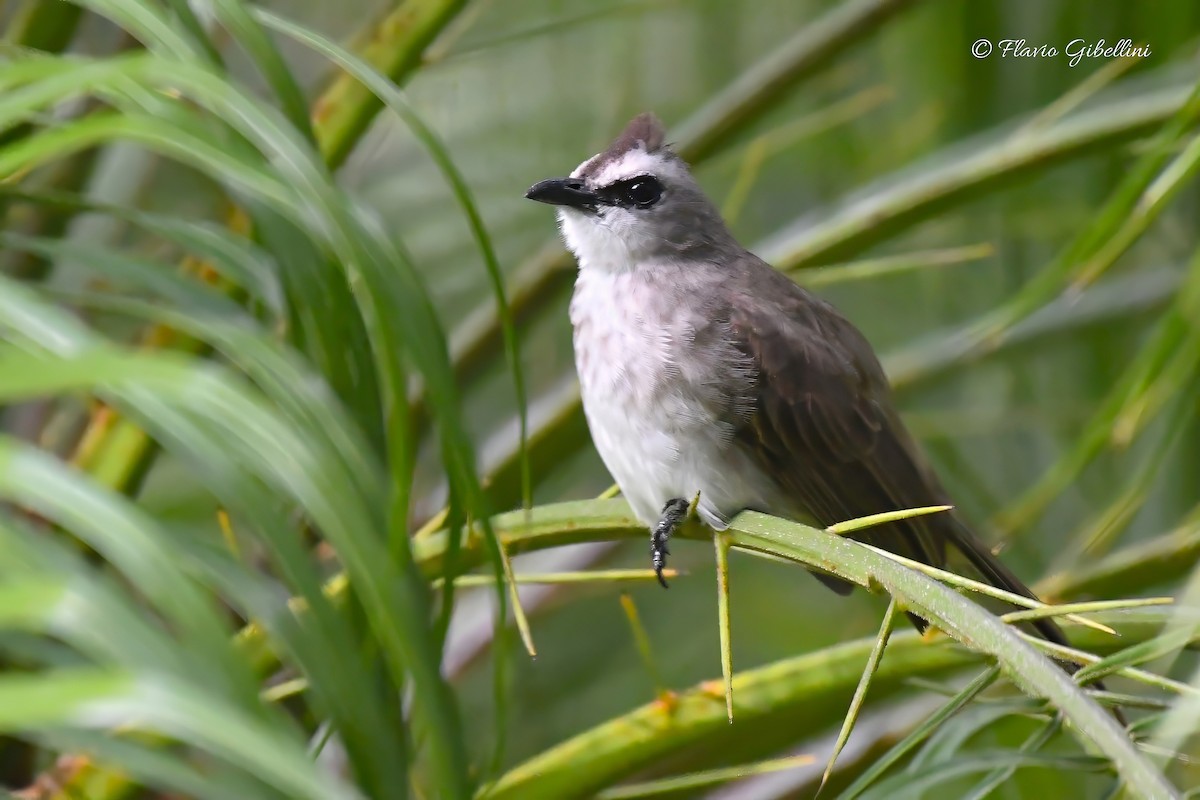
(654, 459)
(650, 407)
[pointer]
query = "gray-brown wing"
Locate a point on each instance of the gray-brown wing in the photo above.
(824, 427)
(823, 423)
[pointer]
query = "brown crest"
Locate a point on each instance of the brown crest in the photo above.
(644, 131)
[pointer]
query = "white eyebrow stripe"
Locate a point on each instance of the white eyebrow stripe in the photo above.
(635, 162)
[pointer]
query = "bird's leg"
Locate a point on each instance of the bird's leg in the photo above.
(673, 513)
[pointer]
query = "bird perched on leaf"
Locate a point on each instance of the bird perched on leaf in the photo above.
(705, 371)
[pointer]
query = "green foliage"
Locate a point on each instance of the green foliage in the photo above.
(269, 324)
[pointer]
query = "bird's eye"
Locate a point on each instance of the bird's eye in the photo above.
(642, 192)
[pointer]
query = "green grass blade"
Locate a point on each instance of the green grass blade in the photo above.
(917, 786)
(1173, 349)
(395, 101)
(872, 268)
(145, 22)
(757, 89)
(264, 448)
(1155, 561)
(702, 780)
(920, 733)
(388, 281)
(1170, 642)
(103, 697)
(879, 212)
(723, 626)
(193, 27)
(860, 691)
(1031, 745)
(241, 22)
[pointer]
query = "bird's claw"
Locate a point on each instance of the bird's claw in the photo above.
(673, 513)
(659, 553)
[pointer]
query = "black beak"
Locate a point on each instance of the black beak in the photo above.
(564, 192)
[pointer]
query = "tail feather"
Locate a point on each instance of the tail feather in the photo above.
(1002, 577)
(999, 575)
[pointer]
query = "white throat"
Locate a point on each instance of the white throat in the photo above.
(597, 246)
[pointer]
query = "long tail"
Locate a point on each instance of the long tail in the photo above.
(1000, 576)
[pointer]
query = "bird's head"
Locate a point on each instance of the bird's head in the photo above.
(635, 203)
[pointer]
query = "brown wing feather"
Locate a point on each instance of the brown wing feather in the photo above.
(825, 428)
(823, 425)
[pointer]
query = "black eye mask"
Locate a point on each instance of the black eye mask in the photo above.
(641, 191)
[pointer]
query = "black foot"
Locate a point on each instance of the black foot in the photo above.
(672, 514)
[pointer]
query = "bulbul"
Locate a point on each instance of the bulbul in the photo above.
(704, 370)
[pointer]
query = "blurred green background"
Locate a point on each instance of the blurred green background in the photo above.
(899, 129)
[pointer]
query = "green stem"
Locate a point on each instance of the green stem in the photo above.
(394, 45)
(770, 693)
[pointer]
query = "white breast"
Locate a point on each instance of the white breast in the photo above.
(656, 385)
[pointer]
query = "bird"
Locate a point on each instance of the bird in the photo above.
(706, 373)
